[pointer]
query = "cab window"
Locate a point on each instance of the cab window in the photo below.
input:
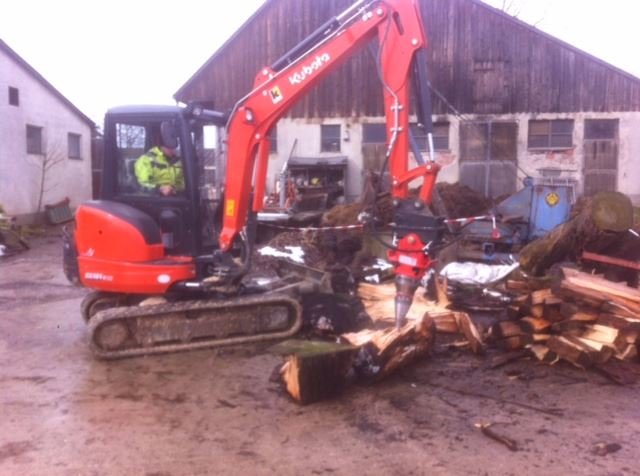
(133, 140)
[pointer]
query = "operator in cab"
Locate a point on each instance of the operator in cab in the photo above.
(160, 170)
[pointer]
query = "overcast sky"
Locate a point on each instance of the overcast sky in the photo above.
(106, 53)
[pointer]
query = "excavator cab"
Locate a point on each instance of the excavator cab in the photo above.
(185, 217)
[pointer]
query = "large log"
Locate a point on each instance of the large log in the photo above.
(596, 226)
(314, 370)
(384, 351)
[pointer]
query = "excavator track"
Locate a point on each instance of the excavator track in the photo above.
(132, 331)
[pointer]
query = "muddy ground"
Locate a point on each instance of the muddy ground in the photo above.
(208, 412)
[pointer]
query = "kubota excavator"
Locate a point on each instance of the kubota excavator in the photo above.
(167, 272)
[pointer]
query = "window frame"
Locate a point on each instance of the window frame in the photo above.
(550, 134)
(371, 130)
(421, 139)
(273, 139)
(29, 143)
(591, 127)
(71, 135)
(327, 143)
(14, 96)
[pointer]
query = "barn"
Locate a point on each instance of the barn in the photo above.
(509, 100)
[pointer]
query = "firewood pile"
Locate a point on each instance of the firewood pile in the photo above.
(583, 319)
(314, 371)
(549, 312)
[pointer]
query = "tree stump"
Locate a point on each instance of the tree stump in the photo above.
(598, 224)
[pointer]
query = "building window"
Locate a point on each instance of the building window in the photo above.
(34, 140)
(601, 129)
(440, 136)
(374, 133)
(273, 139)
(14, 96)
(557, 134)
(330, 138)
(73, 141)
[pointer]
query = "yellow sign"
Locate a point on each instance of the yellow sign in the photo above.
(276, 95)
(230, 209)
(552, 199)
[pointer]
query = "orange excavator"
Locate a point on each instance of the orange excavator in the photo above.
(167, 271)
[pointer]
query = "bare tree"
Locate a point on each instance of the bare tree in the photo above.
(516, 8)
(131, 136)
(50, 158)
(512, 7)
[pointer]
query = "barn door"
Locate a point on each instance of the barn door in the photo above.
(600, 155)
(488, 157)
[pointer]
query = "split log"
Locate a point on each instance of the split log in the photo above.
(596, 226)
(608, 336)
(540, 297)
(315, 370)
(537, 311)
(379, 303)
(384, 351)
(535, 325)
(516, 342)
(552, 314)
(575, 328)
(598, 352)
(569, 351)
(505, 329)
(599, 284)
(517, 285)
(470, 332)
(543, 353)
(511, 335)
(598, 291)
(628, 327)
(629, 353)
(446, 322)
(619, 322)
(578, 313)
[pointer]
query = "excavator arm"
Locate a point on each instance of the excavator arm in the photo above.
(398, 26)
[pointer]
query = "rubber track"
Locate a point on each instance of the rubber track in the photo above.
(129, 312)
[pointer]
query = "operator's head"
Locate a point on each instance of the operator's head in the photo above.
(169, 151)
(168, 139)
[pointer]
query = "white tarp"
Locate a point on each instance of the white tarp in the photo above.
(477, 273)
(294, 253)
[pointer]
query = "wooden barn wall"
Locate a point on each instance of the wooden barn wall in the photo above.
(482, 62)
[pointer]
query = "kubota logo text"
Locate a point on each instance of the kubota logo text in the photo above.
(309, 69)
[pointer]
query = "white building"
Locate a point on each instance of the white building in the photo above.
(46, 141)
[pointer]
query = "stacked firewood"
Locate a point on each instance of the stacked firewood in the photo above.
(581, 318)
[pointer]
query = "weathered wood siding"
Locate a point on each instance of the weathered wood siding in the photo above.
(482, 62)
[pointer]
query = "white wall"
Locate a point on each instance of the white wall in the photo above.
(19, 172)
(307, 133)
(571, 160)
